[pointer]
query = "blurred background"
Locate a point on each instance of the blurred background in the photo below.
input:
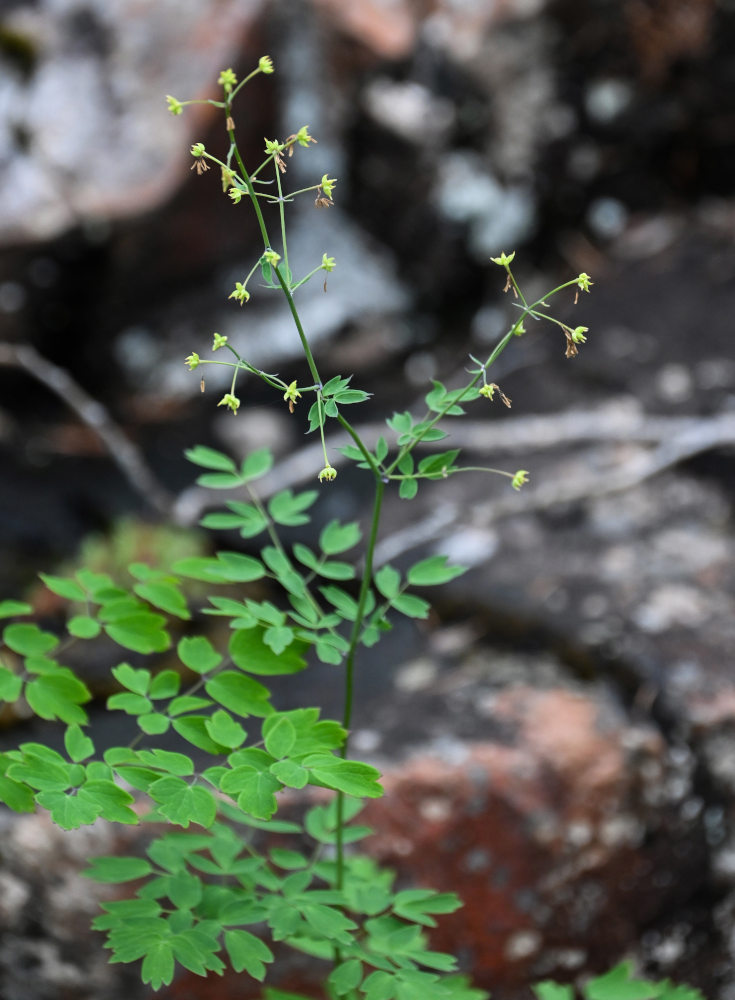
(571, 749)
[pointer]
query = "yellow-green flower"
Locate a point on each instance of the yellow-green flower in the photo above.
(327, 475)
(174, 106)
(291, 396)
(192, 361)
(505, 260)
(584, 281)
(228, 80)
(231, 401)
(240, 294)
(219, 341)
(519, 479)
(265, 64)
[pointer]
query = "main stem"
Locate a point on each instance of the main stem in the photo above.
(349, 690)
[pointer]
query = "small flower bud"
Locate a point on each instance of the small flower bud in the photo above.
(488, 391)
(192, 361)
(231, 401)
(271, 257)
(240, 294)
(291, 396)
(219, 341)
(265, 64)
(328, 263)
(519, 479)
(302, 136)
(328, 474)
(228, 80)
(327, 185)
(198, 151)
(584, 282)
(236, 194)
(174, 106)
(504, 260)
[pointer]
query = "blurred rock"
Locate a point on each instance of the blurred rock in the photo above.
(563, 834)
(83, 121)
(47, 950)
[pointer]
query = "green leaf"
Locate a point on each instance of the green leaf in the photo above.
(247, 953)
(288, 860)
(548, 990)
(187, 703)
(165, 685)
(349, 776)
(617, 984)
(279, 735)
(140, 632)
(114, 870)
(154, 724)
(164, 595)
(63, 587)
(83, 627)
(158, 963)
(68, 811)
(347, 396)
(433, 571)
(379, 986)
(199, 568)
(256, 465)
(417, 904)
(208, 458)
(16, 796)
(278, 638)
(234, 567)
(219, 480)
(134, 680)
(131, 704)
(388, 581)
(182, 803)
(28, 640)
(288, 508)
(198, 654)
(9, 609)
(194, 730)
(345, 605)
(251, 653)
(438, 465)
(346, 976)
(336, 537)
(58, 696)
(255, 791)
(78, 746)
(176, 763)
(240, 694)
(184, 890)
(289, 773)
(224, 730)
(400, 422)
(412, 606)
(11, 685)
(408, 489)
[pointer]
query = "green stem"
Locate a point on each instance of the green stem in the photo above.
(282, 215)
(246, 178)
(299, 327)
(350, 663)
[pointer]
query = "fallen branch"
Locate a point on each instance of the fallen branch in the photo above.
(94, 415)
(675, 439)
